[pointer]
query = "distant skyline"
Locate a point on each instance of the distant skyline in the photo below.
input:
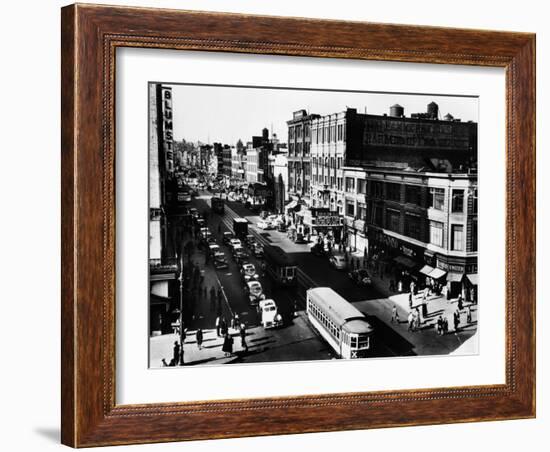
(226, 114)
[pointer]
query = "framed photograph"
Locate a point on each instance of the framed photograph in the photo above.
(281, 225)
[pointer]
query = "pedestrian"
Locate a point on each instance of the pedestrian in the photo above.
(218, 325)
(227, 346)
(456, 320)
(410, 300)
(394, 315)
(412, 287)
(445, 325)
(440, 325)
(176, 351)
(199, 336)
(469, 314)
(399, 285)
(424, 309)
(416, 319)
(410, 321)
(164, 363)
(460, 302)
(235, 321)
(223, 327)
(242, 332)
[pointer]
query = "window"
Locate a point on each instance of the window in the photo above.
(306, 131)
(350, 209)
(361, 186)
(333, 133)
(393, 192)
(332, 162)
(377, 214)
(457, 239)
(339, 162)
(412, 194)
(458, 201)
(412, 226)
(436, 233)
(392, 219)
(377, 189)
(437, 198)
(340, 132)
(298, 131)
(340, 183)
(291, 133)
(361, 211)
(350, 184)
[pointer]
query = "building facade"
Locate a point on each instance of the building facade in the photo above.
(162, 268)
(404, 186)
(299, 154)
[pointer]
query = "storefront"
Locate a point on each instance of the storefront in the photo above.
(469, 287)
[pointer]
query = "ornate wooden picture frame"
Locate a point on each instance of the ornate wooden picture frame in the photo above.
(90, 37)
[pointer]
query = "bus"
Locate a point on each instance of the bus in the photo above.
(217, 205)
(280, 265)
(340, 323)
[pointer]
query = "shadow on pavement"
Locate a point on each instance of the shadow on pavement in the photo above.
(387, 342)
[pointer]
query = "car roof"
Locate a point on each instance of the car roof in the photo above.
(267, 303)
(253, 283)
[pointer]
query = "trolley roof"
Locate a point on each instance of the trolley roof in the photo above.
(340, 310)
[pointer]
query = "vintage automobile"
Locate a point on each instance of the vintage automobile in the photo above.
(360, 277)
(220, 262)
(264, 224)
(227, 236)
(267, 309)
(248, 272)
(254, 291)
(257, 249)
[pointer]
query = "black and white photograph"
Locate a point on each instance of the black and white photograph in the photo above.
(292, 224)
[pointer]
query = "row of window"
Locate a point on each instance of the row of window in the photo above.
(329, 325)
(329, 134)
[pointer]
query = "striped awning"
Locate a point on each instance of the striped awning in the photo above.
(473, 278)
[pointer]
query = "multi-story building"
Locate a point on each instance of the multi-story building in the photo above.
(280, 180)
(407, 186)
(162, 268)
(238, 164)
(299, 157)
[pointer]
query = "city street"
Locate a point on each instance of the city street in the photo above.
(296, 339)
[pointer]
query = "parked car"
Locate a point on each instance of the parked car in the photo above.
(248, 272)
(338, 262)
(254, 291)
(267, 309)
(360, 277)
(264, 224)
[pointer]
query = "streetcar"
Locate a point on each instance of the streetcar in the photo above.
(340, 323)
(280, 266)
(217, 204)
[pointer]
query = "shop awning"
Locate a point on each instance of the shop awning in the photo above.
(291, 205)
(405, 261)
(426, 270)
(473, 278)
(437, 273)
(454, 277)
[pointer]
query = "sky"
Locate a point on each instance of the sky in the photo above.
(225, 114)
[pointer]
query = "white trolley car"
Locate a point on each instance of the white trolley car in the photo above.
(341, 324)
